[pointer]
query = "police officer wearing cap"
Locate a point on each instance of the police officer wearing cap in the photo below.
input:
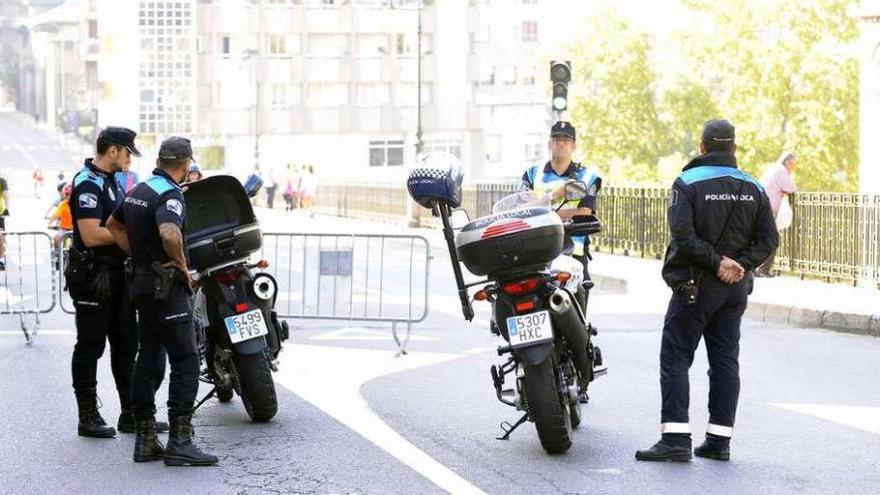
(722, 228)
(151, 225)
(550, 179)
(95, 280)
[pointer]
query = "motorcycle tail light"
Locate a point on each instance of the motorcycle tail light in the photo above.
(522, 307)
(241, 307)
(522, 287)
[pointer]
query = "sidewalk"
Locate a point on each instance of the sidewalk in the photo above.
(780, 300)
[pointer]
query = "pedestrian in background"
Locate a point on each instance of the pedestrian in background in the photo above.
(4, 212)
(270, 182)
(38, 182)
(779, 183)
(127, 178)
(308, 186)
(291, 187)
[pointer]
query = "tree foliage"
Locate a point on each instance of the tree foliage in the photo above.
(784, 72)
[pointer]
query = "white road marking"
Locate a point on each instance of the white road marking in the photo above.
(360, 333)
(313, 373)
(860, 417)
(478, 350)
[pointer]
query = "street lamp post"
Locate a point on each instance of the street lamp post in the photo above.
(414, 218)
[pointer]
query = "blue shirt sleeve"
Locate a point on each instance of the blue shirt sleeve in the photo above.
(86, 201)
(527, 183)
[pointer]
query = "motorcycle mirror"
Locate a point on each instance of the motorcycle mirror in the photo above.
(458, 219)
(575, 190)
(252, 185)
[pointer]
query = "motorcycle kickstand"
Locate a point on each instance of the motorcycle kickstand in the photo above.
(508, 428)
(205, 398)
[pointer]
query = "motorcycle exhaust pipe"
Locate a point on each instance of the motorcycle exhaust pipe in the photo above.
(568, 322)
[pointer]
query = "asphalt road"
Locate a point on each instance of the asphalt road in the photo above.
(354, 418)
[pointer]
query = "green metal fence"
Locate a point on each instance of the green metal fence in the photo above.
(835, 237)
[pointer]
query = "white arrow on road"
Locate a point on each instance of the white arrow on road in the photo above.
(313, 373)
(859, 417)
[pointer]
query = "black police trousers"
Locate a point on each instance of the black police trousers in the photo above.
(114, 321)
(166, 324)
(716, 318)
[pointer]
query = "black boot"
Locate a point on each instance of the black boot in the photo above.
(672, 447)
(91, 424)
(126, 423)
(180, 450)
(714, 447)
(147, 446)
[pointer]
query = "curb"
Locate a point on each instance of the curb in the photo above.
(857, 324)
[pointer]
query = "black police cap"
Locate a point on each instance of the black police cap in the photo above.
(563, 128)
(719, 131)
(121, 136)
(175, 148)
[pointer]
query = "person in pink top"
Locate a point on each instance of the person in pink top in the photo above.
(778, 183)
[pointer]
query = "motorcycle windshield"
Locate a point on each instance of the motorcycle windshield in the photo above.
(520, 200)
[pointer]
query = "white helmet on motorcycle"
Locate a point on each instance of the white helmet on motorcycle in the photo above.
(436, 178)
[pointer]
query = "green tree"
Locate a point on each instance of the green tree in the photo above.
(614, 101)
(785, 73)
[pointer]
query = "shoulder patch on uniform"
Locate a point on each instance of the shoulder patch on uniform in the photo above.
(673, 197)
(174, 206)
(88, 200)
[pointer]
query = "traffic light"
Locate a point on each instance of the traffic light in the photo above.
(560, 75)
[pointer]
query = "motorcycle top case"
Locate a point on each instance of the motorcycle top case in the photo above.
(507, 240)
(436, 178)
(220, 222)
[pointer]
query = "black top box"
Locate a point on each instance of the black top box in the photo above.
(221, 225)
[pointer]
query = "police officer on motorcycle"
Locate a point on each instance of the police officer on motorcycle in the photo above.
(151, 225)
(94, 277)
(722, 228)
(550, 179)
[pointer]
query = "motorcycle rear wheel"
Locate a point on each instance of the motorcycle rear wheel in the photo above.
(547, 408)
(257, 388)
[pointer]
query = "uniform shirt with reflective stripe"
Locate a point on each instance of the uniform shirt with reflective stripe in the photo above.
(544, 180)
(94, 196)
(149, 204)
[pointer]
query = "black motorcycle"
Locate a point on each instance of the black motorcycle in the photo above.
(550, 357)
(239, 334)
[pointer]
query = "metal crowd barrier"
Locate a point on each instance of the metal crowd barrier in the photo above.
(26, 287)
(834, 236)
(370, 278)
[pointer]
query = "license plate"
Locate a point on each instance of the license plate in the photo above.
(246, 326)
(529, 329)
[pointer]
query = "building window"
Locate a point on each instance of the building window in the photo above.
(533, 145)
(493, 149)
(529, 31)
(279, 95)
(386, 153)
(451, 146)
(277, 44)
(225, 45)
(93, 29)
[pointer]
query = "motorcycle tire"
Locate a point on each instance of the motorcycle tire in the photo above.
(257, 388)
(224, 395)
(547, 408)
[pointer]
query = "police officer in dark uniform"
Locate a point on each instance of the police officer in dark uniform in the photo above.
(722, 229)
(151, 225)
(94, 278)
